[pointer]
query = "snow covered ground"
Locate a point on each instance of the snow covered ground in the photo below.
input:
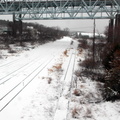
(40, 84)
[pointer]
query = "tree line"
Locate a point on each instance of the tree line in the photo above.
(32, 32)
(105, 68)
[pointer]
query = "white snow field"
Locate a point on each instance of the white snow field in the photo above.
(38, 85)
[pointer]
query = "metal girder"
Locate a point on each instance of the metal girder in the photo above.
(60, 9)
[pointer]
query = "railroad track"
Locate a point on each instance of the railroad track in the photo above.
(11, 94)
(16, 86)
(66, 89)
(20, 69)
(28, 63)
(16, 62)
(9, 63)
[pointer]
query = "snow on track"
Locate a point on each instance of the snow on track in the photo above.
(20, 77)
(39, 85)
(63, 101)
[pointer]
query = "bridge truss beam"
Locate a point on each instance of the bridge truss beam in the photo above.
(60, 9)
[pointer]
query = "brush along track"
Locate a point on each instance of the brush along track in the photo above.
(63, 100)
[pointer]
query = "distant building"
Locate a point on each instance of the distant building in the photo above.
(86, 35)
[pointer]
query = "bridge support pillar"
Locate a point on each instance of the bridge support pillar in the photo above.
(117, 28)
(111, 31)
(17, 26)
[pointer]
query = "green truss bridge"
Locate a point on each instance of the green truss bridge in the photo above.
(60, 9)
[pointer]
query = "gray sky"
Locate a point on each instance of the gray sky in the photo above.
(73, 25)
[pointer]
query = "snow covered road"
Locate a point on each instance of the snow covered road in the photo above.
(20, 77)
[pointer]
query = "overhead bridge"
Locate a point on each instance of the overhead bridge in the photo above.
(60, 9)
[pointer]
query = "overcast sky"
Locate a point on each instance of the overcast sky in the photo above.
(73, 25)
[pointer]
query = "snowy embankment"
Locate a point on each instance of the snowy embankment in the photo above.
(40, 84)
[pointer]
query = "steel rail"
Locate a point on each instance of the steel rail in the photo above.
(64, 79)
(6, 64)
(22, 81)
(6, 104)
(36, 72)
(27, 65)
(70, 91)
(16, 70)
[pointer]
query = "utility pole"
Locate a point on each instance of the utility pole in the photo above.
(94, 43)
(14, 26)
(20, 25)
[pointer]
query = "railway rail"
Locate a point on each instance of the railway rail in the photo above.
(17, 81)
(27, 63)
(18, 70)
(66, 87)
(20, 87)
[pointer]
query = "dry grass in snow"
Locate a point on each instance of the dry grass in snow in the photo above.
(86, 102)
